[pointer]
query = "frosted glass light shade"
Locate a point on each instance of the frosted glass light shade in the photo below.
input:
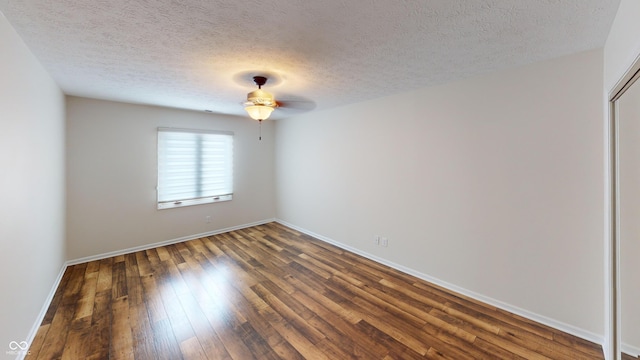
(259, 112)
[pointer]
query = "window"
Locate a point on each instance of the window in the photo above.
(194, 167)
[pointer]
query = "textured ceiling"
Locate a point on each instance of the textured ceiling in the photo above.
(199, 54)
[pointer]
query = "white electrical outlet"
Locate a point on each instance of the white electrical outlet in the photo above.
(376, 239)
(207, 219)
(384, 241)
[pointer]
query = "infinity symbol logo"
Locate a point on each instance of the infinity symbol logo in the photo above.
(22, 345)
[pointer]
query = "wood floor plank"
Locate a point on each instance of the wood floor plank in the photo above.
(77, 343)
(204, 315)
(582, 345)
(271, 292)
(394, 348)
(208, 337)
(170, 291)
(144, 264)
(38, 340)
(143, 346)
(55, 341)
(486, 340)
(153, 298)
(121, 338)
(192, 350)
(219, 280)
(335, 309)
(163, 253)
(57, 297)
(339, 342)
(223, 317)
(119, 280)
(100, 336)
(105, 277)
(165, 342)
(288, 315)
(87, 296)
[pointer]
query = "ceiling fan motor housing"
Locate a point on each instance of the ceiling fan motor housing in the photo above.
(261, 97)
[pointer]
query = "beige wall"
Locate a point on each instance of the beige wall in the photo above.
(492, 184)
(111, 177)
(31, 187)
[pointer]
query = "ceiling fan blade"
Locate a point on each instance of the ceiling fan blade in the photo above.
(295, 104)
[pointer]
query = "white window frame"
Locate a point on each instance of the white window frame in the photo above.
(223, 191)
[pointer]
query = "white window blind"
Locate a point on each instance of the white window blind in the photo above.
(194, 167)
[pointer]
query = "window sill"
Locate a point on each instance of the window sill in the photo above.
(192, 202)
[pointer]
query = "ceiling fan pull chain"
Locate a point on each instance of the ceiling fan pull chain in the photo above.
(260, 126)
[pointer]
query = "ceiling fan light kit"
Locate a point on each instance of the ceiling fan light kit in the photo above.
(259, 112)
(260, 104)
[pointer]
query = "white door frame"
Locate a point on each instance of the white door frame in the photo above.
(613, 218)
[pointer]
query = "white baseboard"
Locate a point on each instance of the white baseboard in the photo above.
(164, 243)
(43, 311)
(630, 350)
(570, 329)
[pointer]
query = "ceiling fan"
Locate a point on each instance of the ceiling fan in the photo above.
(260, 103)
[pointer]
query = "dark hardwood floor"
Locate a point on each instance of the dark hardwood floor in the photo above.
(269, 292)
